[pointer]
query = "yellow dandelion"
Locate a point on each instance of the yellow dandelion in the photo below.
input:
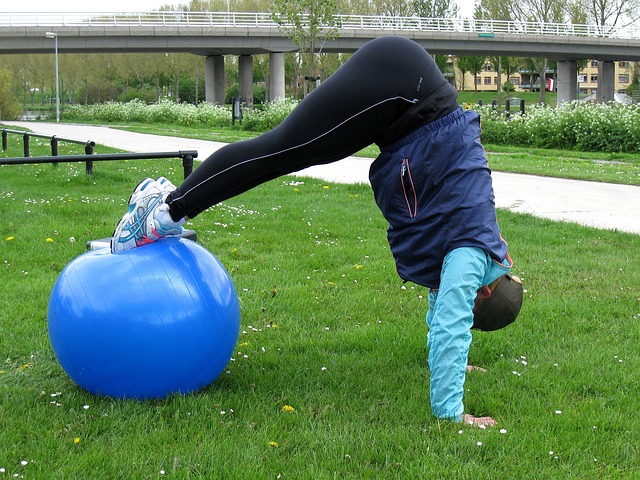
(288, 408)
(296, 190)
(243, 344)
(273, 444)
(26, 366)
(326, 187)
(358, 267)
(8, 239)
(76, 440)
(49, 240)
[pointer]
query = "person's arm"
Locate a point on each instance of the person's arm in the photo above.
(450, 319)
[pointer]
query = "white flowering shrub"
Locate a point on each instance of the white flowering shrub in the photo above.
(273, 113)
(164, 111)
(578, 125)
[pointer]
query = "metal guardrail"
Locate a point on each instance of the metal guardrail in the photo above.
(187, 156)
(55, 140)
(362, 22)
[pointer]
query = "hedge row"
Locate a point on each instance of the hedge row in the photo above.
(579, 126)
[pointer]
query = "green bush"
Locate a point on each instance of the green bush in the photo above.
(164, 111)
(261, 120)
(167, 112)
(578, 125)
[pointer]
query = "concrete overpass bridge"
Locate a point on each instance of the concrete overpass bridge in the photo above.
(216, 34)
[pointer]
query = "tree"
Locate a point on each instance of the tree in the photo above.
(391, 8)
(613, 13)
(436, 8)
(546, 11)
(463, 69)
(503, 65)
(308, 23)
(177, 65)
(224, 5)
(9, 107)
(472, 64)
(492, 10)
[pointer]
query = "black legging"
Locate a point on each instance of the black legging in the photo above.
(388, 88)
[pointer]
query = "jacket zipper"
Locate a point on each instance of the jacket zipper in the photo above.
(408, 188)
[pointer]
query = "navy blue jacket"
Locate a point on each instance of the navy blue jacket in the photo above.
(434, 188)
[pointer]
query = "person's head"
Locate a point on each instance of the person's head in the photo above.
(498, 304)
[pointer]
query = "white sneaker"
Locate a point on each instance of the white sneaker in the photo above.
(139, 226)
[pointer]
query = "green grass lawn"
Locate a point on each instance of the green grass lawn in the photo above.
(329, 330)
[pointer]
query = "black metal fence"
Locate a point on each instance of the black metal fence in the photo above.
(26, 136)
(187, 156)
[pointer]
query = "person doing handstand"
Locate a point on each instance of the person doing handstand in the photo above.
(431, 182)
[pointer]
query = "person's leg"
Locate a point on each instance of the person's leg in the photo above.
(378, 85)
(374, 88)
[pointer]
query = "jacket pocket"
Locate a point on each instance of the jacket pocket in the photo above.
(408, 188)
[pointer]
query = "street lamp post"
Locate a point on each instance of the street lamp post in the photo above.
(55, 43)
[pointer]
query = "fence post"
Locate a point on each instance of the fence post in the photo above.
(54, 148)
(25, 139)
(187, 165)
(88, 150)
(236, 110)
(4, 140)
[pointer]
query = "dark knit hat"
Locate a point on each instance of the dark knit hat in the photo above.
(502, 307)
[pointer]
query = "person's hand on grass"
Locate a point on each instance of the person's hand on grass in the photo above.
(473, 368)
(478, 421)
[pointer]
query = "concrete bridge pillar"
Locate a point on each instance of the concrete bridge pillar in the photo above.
(245, 72)
(276, 75)
(606, 81)
(214, 79)
(567, 81)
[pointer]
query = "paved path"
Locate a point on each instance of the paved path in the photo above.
(601, 205)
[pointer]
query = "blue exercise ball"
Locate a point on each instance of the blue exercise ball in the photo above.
(153, 321)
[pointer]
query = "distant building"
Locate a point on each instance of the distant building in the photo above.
(526, 80)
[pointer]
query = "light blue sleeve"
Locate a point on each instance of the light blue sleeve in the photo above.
(450, 318)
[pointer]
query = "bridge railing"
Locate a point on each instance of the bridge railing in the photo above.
(364, 22)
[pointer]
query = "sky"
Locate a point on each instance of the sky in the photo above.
(33, 6)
